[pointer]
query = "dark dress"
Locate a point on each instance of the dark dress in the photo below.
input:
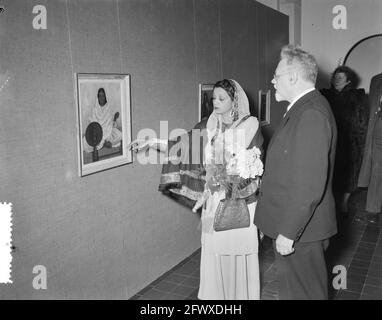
(350, 109)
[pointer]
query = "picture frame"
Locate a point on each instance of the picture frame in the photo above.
(264, 107)
(205, 101)
(104, 121)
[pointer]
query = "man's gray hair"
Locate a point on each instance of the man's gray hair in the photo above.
(301, 59)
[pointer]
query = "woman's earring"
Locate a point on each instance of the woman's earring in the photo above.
(234, 111)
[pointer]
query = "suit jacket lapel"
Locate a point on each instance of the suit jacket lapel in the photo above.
(298, 104)
(278, 129)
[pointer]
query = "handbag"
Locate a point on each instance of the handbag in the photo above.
(231, 214)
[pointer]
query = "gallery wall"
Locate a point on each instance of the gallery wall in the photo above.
(330, 45)
(109, 234)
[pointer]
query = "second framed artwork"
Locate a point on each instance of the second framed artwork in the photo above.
(264, 107)
(205, 101)
(104, 121)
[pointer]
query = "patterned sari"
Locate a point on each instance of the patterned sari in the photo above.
(183, 176)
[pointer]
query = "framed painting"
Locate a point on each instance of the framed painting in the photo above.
(104, 121)
(205, 101)
(264, 105)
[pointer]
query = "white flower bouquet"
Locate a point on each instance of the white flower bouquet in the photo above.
(236, 172)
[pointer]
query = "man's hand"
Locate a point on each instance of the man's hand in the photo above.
(284, 246)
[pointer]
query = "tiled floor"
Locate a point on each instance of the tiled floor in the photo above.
(357, 247)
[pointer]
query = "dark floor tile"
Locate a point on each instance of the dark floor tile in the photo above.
(144, 290)
(195, 273)
(187, 269)
(347, 295)
(340, 261)
(165, 286)
(193, 295)
(264, 267)
(377, 254)
(196, 258)
(378, 251)
(375, 273)
(271, 287)
(357, 278)
(371, 238)
(175, 278)
(367, 297)
(172, 296)
(376, 259)
(183, 290)
(355, 229)
(191, 282)
(376, 282)
(358, 271)
(360, 263)
(197, 253)
(354, 287)
(332, 294)
(153, 294)
(345, 255)
(372, 228)
(375, 265)
(267, 296)
(349, 244)
(359, 256)
(365, 251)
(155, 282)
(367, 244)
(372, 291)
(272, 270)
(193, 264)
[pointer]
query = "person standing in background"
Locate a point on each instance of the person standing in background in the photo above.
(350, 108)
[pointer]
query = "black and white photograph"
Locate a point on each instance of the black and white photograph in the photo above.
(104, 121)
(214, 152)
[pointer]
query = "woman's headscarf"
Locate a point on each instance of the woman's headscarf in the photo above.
(215, 120)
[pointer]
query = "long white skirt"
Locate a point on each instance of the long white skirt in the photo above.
(229, 265)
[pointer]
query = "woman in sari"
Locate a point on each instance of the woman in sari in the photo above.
(229, 266)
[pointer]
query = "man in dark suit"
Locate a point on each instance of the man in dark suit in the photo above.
(296, 207)
(371, 170)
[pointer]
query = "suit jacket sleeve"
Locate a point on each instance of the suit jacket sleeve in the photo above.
(309, 171)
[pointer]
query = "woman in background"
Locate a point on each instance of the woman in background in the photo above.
(350, 109)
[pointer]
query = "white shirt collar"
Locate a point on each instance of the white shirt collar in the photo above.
(299, 97)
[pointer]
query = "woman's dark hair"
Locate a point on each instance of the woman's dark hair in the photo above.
(350, 74)
(103, 90)
(228, 86)
(104, 94)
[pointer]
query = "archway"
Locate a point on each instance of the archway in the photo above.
(366, 59)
